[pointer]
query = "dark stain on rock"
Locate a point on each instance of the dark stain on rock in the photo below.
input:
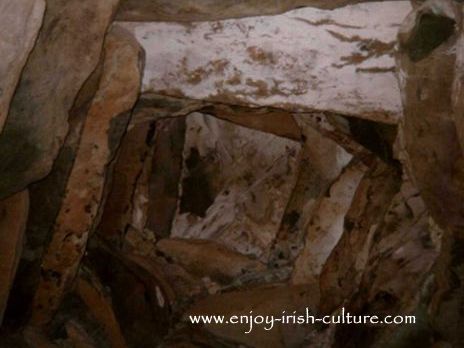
(197, 193)
(118, 126)
(429, 33)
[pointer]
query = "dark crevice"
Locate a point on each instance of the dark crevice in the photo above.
(197, 193)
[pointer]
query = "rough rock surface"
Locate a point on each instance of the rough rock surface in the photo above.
(429, 40)
(340, 61)
(235, 185)
(208, 259)
(13, 217)
(99, 304)
(46, 197)
(56, 70)
(210, 10)
(258, 173)
(342, 272)
(322, 161)
(118, 210)
(20, 21)
(426, 74)
(104, 125)
(327, 225)
(400, 262)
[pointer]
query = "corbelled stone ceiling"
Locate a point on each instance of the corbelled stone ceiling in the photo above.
(162, 159)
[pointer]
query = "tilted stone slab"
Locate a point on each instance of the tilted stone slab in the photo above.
(106, 121)
(20, 21)
(65, 54)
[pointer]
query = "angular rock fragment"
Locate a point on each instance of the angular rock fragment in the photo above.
(56, 70)
(274, 121)
(105, 123)
(343, 270)
(152, 107)
(307, 59)
(333, 127)
(20, 21)
(13, 216)
(235, 185)
(326, 226)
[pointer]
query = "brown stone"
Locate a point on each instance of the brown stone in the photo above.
(326, 225)
(322, 161)
(342, 272)
(55, 71)
(430, 144)
(92, 293)
(46, 198)
(20, 21)
(207, 10)
(117, 214)
(398, 274)
(426, 74)
(103, 128)
(140, 296)
(267, 120)
(165, 174)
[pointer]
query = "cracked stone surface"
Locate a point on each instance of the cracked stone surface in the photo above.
(307, 59)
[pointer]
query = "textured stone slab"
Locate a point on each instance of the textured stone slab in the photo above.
(235, 184)
(322, 161)
(104, 126)
(65, 54)
(20, 21)
(307, 59)
(342, 272)
(326, 226)
(429, 136)
(99, 303)
(208, 259)
(406, 247)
